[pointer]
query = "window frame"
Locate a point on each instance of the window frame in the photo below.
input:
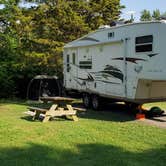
(111, 35)
(144, 43)
(85, 65)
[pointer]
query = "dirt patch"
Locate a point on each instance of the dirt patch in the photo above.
(156, 121)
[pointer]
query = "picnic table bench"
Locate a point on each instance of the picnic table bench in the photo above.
(61, 107)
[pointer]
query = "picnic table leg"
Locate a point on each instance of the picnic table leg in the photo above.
(74, 117)
(46, 118)
(70, 108)
(34, 116)
(53, 107)
(50, 112)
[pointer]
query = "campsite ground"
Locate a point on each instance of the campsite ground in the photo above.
(111, 137)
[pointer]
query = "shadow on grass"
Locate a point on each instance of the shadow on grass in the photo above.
(24, 103)
(29, 118)
(158, 120)
(85, 154)
(12, 101)
(112, 112)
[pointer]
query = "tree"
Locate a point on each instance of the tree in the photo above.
(102, 12)
(40, 34)
(33, 38)
(156, 14)
(7, 62)
(145, 15)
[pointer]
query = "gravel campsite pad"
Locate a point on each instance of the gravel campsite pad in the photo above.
(156, 121)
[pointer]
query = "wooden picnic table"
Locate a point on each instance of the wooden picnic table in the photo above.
(61, 107)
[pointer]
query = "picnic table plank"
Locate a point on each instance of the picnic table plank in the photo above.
(57, 99)
(37, 108)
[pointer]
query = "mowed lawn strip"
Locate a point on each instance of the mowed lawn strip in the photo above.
(98, 138)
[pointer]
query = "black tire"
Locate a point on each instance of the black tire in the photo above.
(86, 100)
(132, 105)
(156, 111)
(96, 102)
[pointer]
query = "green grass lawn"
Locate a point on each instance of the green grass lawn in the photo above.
(105, 138)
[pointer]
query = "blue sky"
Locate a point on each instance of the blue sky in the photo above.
(138, 5)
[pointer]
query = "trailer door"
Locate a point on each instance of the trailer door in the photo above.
(74, 68)
(71, 69)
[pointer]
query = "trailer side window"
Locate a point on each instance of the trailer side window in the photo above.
(111, 35)
(144, 43)
(85, 64)
(68, 62)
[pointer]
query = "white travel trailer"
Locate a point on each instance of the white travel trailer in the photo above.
(125, 63)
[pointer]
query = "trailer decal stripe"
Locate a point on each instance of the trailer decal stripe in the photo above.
(132, 60)
(110, 71)
(102, 76)
(108, 82)
(113, 71)
(151, 55)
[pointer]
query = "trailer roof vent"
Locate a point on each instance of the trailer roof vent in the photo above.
(104, 26)
(116, 23)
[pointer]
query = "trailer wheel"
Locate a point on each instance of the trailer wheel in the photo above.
(86, 100)
(95, 102)
(132, 106)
